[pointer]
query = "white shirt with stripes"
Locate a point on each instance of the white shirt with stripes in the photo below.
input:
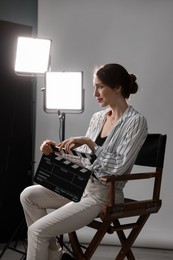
(119, 151)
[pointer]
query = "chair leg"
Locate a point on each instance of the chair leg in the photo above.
(127, 244)
(92, 245)
(123, 239)
(97, 239)
(76, 246)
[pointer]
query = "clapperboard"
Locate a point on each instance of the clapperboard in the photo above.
(62, 175)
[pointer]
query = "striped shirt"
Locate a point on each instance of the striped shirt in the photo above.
(120, 149)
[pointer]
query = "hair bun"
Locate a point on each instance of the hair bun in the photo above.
(133, 86)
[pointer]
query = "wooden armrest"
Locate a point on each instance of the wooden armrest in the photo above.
(132, 176)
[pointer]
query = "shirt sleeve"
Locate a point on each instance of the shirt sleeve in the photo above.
(91, 132)
(122, 151)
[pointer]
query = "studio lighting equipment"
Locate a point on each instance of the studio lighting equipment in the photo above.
(63, 93)
(32, 56)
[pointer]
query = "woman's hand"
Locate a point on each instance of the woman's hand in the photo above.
(74, 142)
(46, 148)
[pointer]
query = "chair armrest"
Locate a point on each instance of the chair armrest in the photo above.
(111, 180)
(132, 176)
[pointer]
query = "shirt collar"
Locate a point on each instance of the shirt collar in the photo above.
(128, 113)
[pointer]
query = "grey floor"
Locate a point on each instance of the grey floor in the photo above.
(108, 253)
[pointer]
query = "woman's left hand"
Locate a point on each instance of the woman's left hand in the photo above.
(74, 142)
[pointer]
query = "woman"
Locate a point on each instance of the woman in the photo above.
(115, 136)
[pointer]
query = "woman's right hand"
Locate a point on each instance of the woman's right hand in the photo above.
(46, 148)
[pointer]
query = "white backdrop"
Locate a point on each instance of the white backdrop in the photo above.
(137, 34)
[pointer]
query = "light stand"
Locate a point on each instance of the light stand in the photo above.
(63, 94)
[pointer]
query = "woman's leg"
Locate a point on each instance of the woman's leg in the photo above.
(35, 201)
(44, 228)
(68, 218)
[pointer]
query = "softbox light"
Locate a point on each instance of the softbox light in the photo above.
(32, 56)
(64, 92)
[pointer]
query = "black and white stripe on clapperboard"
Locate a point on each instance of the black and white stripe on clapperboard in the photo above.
(74, 153)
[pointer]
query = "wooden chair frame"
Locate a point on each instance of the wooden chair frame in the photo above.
(152, 155)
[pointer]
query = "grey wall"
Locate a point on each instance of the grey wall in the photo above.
(137, 34)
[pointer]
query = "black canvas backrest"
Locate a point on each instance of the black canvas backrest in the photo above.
(153, 151)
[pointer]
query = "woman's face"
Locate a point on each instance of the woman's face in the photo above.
(105, 95)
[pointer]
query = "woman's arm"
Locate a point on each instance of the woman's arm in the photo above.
(119, 156)
(75, 142)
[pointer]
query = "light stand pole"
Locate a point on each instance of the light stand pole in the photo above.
(62, 138)
(62, 120)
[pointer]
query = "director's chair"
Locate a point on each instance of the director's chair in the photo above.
(151, 155)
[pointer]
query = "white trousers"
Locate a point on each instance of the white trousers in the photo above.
(43, 227)
(67, 216)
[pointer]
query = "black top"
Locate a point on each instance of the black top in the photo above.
(99, 141)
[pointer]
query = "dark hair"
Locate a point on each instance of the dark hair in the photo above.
(115, 75)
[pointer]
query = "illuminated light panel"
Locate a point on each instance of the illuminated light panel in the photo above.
(32, 55)
(64, 92)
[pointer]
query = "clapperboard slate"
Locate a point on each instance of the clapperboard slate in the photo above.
(63, 176)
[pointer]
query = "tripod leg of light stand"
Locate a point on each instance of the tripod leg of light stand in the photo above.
(18, 230)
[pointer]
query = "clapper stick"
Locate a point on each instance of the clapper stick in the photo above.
(74, 153)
